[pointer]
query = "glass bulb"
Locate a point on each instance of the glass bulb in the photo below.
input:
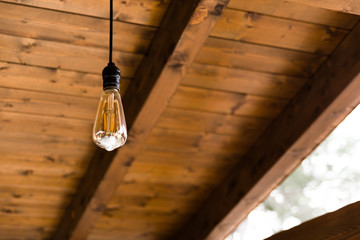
(109, 130)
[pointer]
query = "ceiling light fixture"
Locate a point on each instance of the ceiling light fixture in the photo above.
(109, 130)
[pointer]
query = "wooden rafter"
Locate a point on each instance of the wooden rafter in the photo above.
(313, 113)
(348, 6)
(184, 29)
(341, 224)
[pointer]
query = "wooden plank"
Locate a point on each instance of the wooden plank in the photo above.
(49, 132)
(149, 12)
(174, 156)
(30, 210)
(36, 23)
(304, 123)
(52, 80)
(242, 81)
(29, 221)
(346, 6)
(203, 122)
(232, 54)
(27, 179)
(172, 51)
(122, 221)
(71, 144)
(296, 11)
(227, 103)
(46, 212)
(271, 31)
(45, 148)
(64, 164)
(338, 225)
(167, 155)
(162, 204)
(172, 174)
(31, 197)
(47, 104)
(72, 159)
(116, 216)
(46, 125)
(128, 235)
(144, 188)
(46, 169)
(24, 233)
(161, 138)
(66, 56)
(155, 225)
(16, 232)
(133, 214)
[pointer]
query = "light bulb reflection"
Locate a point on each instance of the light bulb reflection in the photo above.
(109, 130)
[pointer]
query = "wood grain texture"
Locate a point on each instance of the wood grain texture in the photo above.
(27, 196)
(160, 204)
(66, 56)
(47, 104)
(203, 122)
(18, 166)
(148, 12)
(343, 224)
(172, 174)
(104, 235)
(17, 232)
(227, 103)
(51, 57)
(185, 158)
(232, 54)
(146, 189)
(43, 149)
(51, 80)
(26, 179)
(21, 211)
(289, 139)
(45, 125)
(242, 81)
(278, 32)
(36, 23)
(48, 148)
(171, 53)
(30, 221)
(297, 11)
(133, 224)
(183, 141)
(139, 217)
(346, 6)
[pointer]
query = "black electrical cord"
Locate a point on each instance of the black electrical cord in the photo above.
(111, 73)
(111, 31)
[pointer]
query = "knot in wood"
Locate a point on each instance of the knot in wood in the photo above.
(177, 60)
(199, 15)
(218, 9)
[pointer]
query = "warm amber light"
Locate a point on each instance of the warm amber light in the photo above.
(109, 130)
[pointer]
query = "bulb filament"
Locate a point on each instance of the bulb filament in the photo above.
(109, 115)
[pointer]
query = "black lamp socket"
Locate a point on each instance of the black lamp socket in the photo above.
(111, 76)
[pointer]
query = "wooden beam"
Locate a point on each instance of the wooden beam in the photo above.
(309, 117)
(339, 225)
(347, 6)
(184, 29)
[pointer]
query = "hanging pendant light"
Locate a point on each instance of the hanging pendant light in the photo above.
(109, 131)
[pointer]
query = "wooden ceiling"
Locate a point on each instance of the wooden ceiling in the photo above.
(223, 99)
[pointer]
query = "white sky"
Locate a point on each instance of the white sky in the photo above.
(339, 171)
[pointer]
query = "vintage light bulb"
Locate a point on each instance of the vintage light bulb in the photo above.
(109, 130)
